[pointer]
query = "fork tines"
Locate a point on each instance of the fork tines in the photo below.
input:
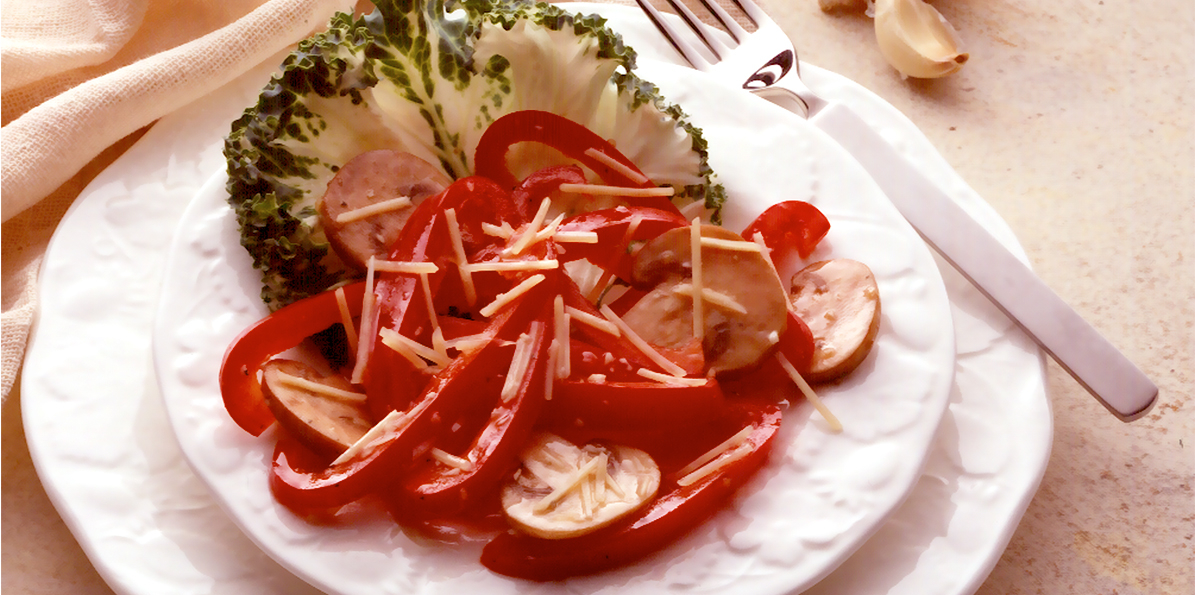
(695, 24)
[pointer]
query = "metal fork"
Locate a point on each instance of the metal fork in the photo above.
(764, 57)
(764, 62)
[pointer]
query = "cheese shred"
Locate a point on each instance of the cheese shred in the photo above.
(573, 482)
(835, 425)
(731, 245)
(560, 318)
(376, 208)
(716, 298)
(366, 331)
(409, 268)
(506, 266)
(616, 165)
(528, 236)
(505, 298)
(458, 250)
(521, 361)
(698, 287)
(346, 319)
(320, 388)
(671, 380)
(643, 346)
(451, 460)
(576, 237)
(593, 321)
(395, 420)
(599, 189)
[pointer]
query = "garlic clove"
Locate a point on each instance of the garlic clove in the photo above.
(916, 40)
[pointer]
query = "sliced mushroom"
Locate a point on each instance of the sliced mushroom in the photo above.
(369, 179)
(563, 490)
(840, 301)
(740, 329)
(319, 411)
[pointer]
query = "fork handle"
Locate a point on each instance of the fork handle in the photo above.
(1105, 372)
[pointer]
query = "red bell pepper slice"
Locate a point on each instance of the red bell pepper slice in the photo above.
(632, 406)
(797, 343)
(673, 513)
(240, 386)
(448, 396)
(437, 490)
(788, 226)
(562, 134)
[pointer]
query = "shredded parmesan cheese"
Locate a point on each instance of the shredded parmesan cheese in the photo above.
(524, 349)
(553, 357)
(714, 297)
(504, 231)
(731, 245)
(716, 451)
(429, 301)
(451, 460)
(505, 298)
(366, 324)
(458, 250)
(616, 165)
(739, 452)
(394, 420)
(320, 388)
(570, 484)
(835, 425)
(698, 288)
(528, 236)
(346, 319)
(590, 320)
(504, 266)
(411, 349)
(467, 343)
(670, 380)
(560, 318)
(664, 363)
(439, 344)
(598, 189)
(576, 237)
(409, 268)
(376, 208)
(549, 230)
(763, 249)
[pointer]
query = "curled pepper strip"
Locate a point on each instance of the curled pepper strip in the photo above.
(240, 386)
(790, 226)
(570, 138)
(669, 516)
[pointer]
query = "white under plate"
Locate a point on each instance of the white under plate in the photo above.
(104, 451)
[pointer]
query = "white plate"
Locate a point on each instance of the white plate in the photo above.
(104, 452)
(819, 498)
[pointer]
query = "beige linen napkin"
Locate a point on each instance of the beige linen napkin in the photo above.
(78, 76)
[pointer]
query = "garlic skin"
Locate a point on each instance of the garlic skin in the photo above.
(916, 40)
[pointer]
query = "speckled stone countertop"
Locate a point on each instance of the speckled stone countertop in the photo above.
(1075, 120)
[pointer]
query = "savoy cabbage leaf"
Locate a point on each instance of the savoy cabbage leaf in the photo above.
(428, 77)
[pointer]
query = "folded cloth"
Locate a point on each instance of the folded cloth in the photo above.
(80, 76)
